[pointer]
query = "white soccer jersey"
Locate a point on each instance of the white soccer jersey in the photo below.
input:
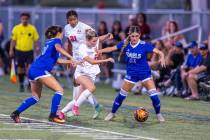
(76, 35)
(87, 68)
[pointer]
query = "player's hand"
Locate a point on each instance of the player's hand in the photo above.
(75, 63)
(163, 62)
(110, 60)
(110, 36)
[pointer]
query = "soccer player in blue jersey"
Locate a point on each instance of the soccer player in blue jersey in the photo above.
(137, 69)
(39, 74)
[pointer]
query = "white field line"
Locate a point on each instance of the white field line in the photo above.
(20, 139)
(86, 128)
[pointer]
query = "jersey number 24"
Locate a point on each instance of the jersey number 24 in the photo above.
(72, 38)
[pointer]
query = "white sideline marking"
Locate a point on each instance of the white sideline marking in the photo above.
(20, 139)
(80, 127)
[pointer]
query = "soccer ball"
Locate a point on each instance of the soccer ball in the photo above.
(141, 114)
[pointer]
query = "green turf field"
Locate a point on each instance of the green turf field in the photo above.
(185, 120)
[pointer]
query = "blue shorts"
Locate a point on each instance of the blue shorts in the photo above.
(34, 74)
(142, 76)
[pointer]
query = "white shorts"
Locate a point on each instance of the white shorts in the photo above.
(80, 73)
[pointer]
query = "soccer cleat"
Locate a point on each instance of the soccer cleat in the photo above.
(61, 115)
(109, 117)
(15, 118)
(98, 109)
(56, 120)
(160, 117)
(75, 110)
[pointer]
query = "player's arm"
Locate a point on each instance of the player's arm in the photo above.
(108, 49)
(162, 56)
(93, 61)
(13, 41)
(105, 37)
(62, 51)
(12, 47)
(64, 61)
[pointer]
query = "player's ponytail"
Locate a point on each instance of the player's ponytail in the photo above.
(52, 31)
(132, 29)
(90, 34)
(126, 41)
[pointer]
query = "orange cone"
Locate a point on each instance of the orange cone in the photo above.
(13, 77)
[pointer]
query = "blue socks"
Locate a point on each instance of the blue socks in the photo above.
(119, 100)
(155, 100)
(55, 103)
(27, 103)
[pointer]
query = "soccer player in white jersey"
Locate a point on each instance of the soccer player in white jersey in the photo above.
(74, 31)
(85, 74)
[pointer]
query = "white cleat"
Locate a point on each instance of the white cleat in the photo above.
(97, 111)
(109, 117)
(160, 118)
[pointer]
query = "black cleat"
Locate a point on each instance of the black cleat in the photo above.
(15, 117)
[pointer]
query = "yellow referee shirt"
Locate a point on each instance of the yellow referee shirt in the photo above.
(24, 37)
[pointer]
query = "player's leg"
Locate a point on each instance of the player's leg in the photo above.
(36, 89)
(89, 87)
(125, 89)
(51, 83)
(67, 109)
(91, 99)
(150, 86)
(19, 56)
(29, 61)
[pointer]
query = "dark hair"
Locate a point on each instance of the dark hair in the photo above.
(71, 13)
(52, 31)
(119, 24)
(143, 16)
(175, 24)
(90, 34)
(132, 29)
(105, 31)
(25, 14)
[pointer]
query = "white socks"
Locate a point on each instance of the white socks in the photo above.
(92, 100)
(83, 97)
(68, 107)
(76, 92)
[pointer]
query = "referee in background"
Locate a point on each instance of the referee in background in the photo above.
(24, 37)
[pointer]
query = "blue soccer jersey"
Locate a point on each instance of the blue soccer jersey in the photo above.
(137, 67)
(46, 61)
(193, 61)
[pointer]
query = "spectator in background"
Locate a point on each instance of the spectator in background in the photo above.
(198, 74)
(141, 21)
(166, 28)
(1, 50)
(24, 36)
(118, 34)
(100, 4)
(102, 29)
(174, 60)
(1, 32)
(105, 67)
(193, 59)
(131, 22)
(154, 63)
(170, 42)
